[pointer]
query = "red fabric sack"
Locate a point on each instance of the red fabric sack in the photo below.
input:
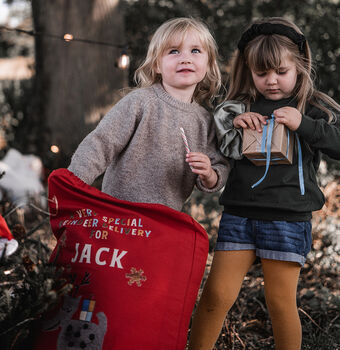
(4, 230)
(136, 270)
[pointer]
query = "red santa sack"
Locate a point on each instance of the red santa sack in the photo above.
(136, 269)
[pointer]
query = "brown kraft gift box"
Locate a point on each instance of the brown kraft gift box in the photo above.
(282, 145)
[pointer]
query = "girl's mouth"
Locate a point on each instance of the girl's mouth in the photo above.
(273, 91)
(185, 70)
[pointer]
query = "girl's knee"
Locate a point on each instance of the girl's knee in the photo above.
(218, 298)
(279, 304)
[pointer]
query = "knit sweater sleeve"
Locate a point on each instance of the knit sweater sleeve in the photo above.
(100, 147)
(219, 162)
(320, 134)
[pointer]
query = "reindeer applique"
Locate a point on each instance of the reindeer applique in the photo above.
(78, 333)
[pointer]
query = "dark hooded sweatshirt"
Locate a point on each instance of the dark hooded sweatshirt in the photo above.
(278, 196)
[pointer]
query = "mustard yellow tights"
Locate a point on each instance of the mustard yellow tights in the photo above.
(222, 288)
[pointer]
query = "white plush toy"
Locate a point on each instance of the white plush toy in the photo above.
(22, 177)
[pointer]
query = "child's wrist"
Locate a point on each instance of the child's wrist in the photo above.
(211, 180)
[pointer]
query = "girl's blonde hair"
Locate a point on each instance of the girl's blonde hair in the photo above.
(146, 74)
(264, 53)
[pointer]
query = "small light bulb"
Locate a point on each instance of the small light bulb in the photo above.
(54, 149)
(68, 37)
(123, 61)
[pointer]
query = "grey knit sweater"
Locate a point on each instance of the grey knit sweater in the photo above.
(139, 146)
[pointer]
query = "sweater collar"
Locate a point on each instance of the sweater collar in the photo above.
(184, 106)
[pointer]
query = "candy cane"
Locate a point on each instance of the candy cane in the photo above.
(185, 142)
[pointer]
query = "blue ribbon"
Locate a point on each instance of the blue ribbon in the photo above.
(267, 141)
(301, 180)
(288, 134)
(264, 142)
(269, 146)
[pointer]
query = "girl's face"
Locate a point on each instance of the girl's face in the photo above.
(279, 83)
(183, 65)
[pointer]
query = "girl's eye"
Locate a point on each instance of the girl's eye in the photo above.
(196, 51)
(281, 72)
(173, 52)
(261, 74)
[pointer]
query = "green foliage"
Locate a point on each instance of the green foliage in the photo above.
(15, 107)
(318, 19)
(5, 46)
(29, 286)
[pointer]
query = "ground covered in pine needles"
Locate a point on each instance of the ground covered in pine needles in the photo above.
(28, 287)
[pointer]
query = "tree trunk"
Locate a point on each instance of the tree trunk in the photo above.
(76, 82)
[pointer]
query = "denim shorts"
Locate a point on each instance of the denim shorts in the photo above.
(277, 240)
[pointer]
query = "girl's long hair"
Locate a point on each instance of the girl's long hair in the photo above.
(146, 74)
(264, 53)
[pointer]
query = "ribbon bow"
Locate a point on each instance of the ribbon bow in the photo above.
(266, 144)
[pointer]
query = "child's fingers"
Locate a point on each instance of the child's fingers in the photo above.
(199, 162)
(258, 120)
(240, 124)
(194, 154)
(280, 113)
(199, 165)
(197, 156)
(257, 124)
(249, 120)
(262, 118)
(199, 169)
(280, 118)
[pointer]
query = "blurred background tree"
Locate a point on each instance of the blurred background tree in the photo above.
(58, 91)
(318, 19)
(75, 83)
(16, 71)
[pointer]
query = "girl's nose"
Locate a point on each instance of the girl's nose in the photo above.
(185, 61)
(185, 58)
(272, 78)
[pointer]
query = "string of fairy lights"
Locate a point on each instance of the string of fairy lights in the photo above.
(122, 62)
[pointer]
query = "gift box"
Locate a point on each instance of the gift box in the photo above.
(275, 138)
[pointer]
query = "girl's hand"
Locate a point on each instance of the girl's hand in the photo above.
(250, 120)
(288, 116)
(200, 164)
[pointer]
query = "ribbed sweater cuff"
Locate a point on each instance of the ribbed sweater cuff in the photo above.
(219, 184)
